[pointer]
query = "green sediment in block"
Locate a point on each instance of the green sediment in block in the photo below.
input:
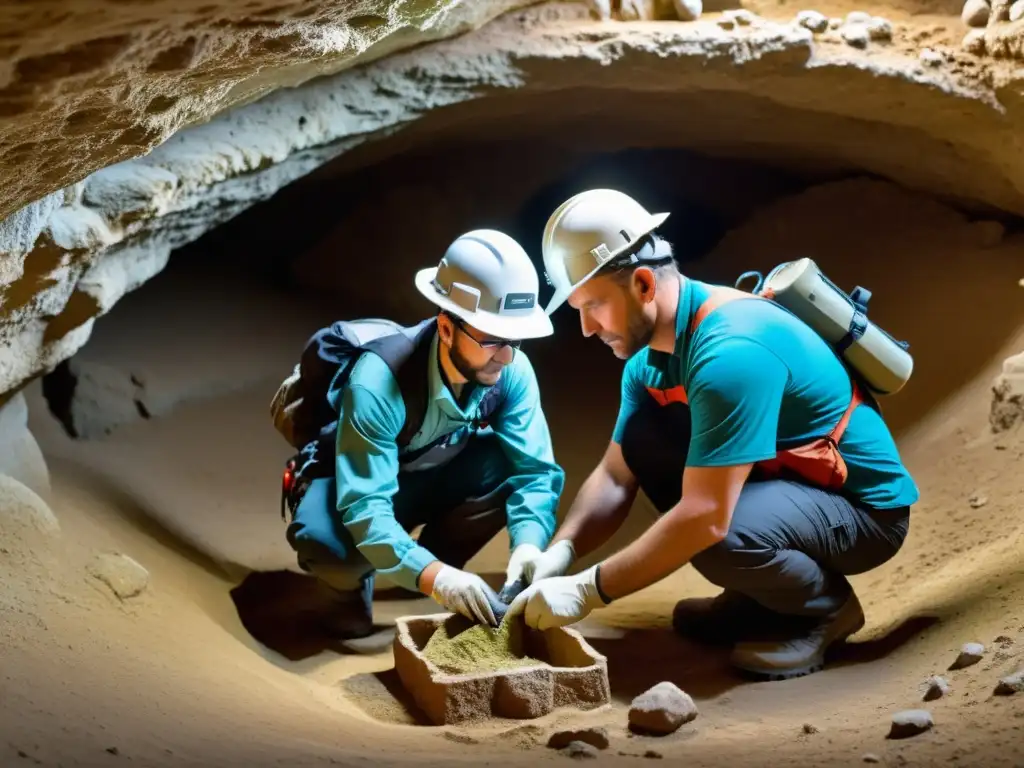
(459, 647)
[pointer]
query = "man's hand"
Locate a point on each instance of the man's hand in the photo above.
(558, 601)
(464, 593)
(554, 561)
(528, 562)
(521, 555)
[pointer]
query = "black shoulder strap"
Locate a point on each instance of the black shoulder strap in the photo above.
(406, 355)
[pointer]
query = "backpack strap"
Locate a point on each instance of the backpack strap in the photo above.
(406, 354)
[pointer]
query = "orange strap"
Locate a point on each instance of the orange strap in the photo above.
(722, 295)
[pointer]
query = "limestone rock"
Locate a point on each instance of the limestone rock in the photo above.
(596, 737)
(125, 577)
(970, 654)
(740, 16)
(909, 723)
(688, 10)
(974, 42)
(580, 750)
(1010, 684)
(24, 515)
(879, 29)
(936, 688)
(812, 20)
(858, 18)
(931, 57)
(976, 13)
(855, 35)
(1008, 395)
(20, 455)
(91, 400)
(1017, 11)
(661, 710)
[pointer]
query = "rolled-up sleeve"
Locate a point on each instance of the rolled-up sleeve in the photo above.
(366, 467)
(537, 480)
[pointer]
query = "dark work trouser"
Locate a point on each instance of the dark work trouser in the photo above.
(790, 546)
(461, 506)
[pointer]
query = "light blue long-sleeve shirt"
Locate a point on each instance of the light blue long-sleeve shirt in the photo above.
(371, 415)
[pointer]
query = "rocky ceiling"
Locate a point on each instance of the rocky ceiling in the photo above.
(128, 128)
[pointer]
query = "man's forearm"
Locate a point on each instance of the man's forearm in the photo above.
(663, 548)
(597, 512)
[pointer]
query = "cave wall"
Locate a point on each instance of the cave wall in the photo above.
(758, 88)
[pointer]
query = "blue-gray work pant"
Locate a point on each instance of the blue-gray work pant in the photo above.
(461, 506)
(790, 546)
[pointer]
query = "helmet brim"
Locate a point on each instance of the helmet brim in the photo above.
(534, 325)
(560, 297)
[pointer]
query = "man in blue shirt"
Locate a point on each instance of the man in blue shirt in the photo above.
(726, 403)
(461, 479)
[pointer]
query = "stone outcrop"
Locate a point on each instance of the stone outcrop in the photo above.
(753, 88)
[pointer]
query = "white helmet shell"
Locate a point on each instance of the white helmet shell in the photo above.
(586, 232)
(487, 279)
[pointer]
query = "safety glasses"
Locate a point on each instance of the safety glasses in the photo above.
(489, 344)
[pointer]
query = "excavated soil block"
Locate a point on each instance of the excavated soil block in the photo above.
(570, 674)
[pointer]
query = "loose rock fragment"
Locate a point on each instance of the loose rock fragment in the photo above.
(595, 737)
(742, 16)
(976, 13)
(652, 755)
(835, 23)
(937, 687)
(879, 29)
(856, 35)
(579, 750)
(125, 577)
(870, 757)
(970, 654)
(910, 722)
(809, 729)
(858, 17)
(688, 10)
(977, 500)
(1010, 684)
(1017, 11)
(812, 20)
(661, 710)
(974, 42)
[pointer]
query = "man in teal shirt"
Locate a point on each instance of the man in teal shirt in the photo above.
(713, 398)
(461, 479)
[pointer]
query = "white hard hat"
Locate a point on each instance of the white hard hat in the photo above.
(588, 231)
(486, 279)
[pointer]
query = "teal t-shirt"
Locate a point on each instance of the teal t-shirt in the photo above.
(760, 380)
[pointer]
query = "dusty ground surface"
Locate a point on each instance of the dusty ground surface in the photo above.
(167, 674)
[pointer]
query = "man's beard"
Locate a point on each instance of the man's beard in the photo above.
(484, 374)
(639, 332)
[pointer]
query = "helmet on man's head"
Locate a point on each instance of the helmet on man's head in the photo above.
(486, 279)
(589, 231)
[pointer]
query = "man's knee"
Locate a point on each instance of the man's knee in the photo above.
(320, 541)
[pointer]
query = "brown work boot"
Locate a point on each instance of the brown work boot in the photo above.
(722, 620)
(802, 652)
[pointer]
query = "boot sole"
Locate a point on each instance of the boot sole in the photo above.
(775, 674)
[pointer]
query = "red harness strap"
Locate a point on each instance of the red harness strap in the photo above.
(818, 462)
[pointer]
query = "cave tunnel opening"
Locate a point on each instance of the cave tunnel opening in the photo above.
(172, 390)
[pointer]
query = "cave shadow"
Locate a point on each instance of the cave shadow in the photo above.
(640, 658)
(867, 651)
(285, 611)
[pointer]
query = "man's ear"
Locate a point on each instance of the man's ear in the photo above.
(645, 284)
(445, 329)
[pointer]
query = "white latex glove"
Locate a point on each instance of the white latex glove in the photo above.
(524, 553)
(554, 561)
(465, 593)
(558, 601)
